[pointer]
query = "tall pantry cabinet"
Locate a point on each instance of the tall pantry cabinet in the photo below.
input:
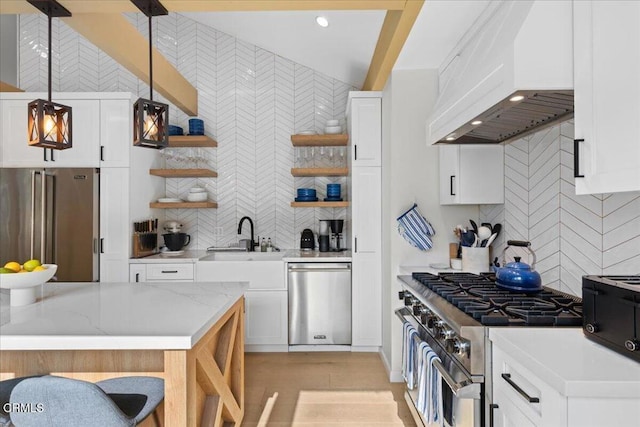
(364, 122)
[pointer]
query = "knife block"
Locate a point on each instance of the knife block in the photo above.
(144, 244)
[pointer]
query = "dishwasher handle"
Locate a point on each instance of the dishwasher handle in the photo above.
(321, 268)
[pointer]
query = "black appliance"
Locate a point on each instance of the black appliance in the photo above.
(307, 240)
(452, 313)
(612, 312)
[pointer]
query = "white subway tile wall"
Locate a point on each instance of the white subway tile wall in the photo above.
(251, 101)
(571, 235)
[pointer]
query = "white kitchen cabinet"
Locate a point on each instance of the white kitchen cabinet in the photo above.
(116, 118)
(114, 224)
(137, 273)
(16, 151)
(607, 107)
(266, 317)
(365, 132)
(471, 174)
(266, 302)
(514, 408)
(364, 121)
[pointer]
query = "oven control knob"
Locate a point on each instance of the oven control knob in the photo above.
(448, 334)
(408, 299)
(632, 345)
(592, 328)
(431, 321)
(401, 295)
(440, 324)
(418, 310)
(461, 347)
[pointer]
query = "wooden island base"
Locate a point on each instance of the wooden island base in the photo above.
(203, 385)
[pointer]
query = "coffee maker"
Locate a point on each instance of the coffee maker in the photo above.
(330, 235)
(324, 239)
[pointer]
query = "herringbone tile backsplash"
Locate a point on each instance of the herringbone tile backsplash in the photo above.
(251, 101)
(571, 235)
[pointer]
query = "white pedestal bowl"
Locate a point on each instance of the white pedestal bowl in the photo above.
(23, 287)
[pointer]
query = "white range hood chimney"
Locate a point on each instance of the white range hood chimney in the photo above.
(510, 75)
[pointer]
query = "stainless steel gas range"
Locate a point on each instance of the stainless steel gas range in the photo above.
(453, 312)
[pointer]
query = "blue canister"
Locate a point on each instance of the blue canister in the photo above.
(196, 127)
(333, 191)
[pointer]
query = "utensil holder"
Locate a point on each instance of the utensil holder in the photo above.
(475, 260)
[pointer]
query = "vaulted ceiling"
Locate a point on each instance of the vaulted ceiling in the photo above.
(365, 39)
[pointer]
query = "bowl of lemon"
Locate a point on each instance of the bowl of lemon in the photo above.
(23, 280)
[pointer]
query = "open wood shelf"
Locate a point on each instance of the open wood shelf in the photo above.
(320, 171)
(183, 205)
(178, 141)
(319, 204)
(340, 139)
(184, 173)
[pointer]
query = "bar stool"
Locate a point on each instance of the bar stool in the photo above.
(123, 402)
(6, 387)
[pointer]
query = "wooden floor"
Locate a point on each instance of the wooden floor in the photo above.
(321, 389)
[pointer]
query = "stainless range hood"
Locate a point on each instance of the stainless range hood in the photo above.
(519, 114)
(511, 75)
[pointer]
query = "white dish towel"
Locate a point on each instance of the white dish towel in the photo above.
(409, 362)
(429, 385)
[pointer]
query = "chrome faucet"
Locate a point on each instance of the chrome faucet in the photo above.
(252, 242)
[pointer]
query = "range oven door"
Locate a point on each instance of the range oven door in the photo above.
(462, 398)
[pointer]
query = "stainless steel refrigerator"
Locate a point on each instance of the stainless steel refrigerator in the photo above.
(51, 215)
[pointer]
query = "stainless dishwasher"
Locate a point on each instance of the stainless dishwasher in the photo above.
(319, 303)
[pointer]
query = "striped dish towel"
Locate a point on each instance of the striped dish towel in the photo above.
(429, 386)
(416, 229)
(409, 355)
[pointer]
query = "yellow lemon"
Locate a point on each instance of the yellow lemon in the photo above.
(12, 265)
(23, 271)
(31, 264)
(40, 268)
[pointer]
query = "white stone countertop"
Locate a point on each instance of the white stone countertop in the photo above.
(115, 316)
(297, 255)
(160, 258)
(569, 362)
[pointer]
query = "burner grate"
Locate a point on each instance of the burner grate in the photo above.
(479, 297)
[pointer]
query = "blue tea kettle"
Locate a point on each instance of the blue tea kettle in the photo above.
(518, 276)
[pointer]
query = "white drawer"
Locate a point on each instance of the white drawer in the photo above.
(170, 272)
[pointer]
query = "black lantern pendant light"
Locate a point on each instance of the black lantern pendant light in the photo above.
(49, 122)
(150, 119)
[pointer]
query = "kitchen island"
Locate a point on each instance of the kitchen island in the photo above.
(190, 334)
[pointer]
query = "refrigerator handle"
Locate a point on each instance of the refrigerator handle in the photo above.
(33, 212)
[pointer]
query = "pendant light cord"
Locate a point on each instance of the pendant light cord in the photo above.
(49, 54)
(150, 59)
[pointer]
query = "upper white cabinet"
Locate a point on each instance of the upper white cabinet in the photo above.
(116, 118)
(86, 136)
(471, 174)
(364, 116)
(607, 106)
(16, 151)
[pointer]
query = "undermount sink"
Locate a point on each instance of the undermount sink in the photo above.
(243, 256)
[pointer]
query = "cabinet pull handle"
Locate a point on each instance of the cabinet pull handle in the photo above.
(137, 277)
(507, 378)
(102, 245)
(169, 271)
(102, 153)
(52, 158)
(355, 152)
(576, 158)
(451, 178)
(44, 152)
(491, 416)
(355, 244)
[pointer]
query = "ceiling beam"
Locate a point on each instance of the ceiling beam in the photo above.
(6, 87)
(395, 30)
(120, 6)
(112, 33)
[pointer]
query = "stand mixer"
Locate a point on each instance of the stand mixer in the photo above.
(174, 240)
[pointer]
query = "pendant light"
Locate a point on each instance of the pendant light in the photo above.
(150, 118)
(49, 124)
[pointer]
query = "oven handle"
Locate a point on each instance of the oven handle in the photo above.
(465, 389)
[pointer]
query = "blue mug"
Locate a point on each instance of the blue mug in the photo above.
(333, 190)
(196, 127)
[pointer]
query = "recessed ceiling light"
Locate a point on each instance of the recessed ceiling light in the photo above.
(516, 98)
(476, 122)
(451, 138)
(322, 21)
